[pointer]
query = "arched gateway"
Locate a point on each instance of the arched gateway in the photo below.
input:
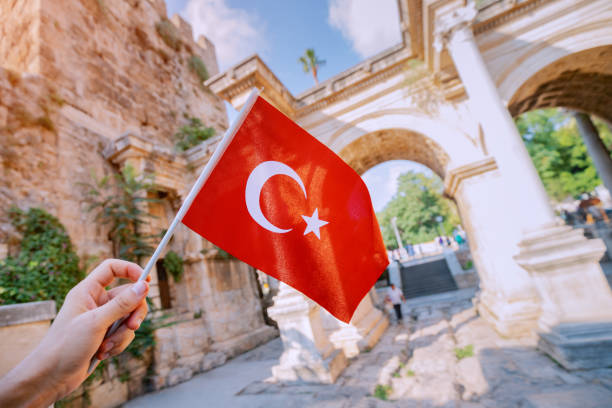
(445, 97)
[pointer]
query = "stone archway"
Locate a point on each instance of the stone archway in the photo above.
(578, 81)
(395, 144)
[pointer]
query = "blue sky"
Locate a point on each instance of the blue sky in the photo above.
(342, 32)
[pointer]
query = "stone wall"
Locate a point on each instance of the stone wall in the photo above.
(107, 58)
(80, 79)
(21, 329)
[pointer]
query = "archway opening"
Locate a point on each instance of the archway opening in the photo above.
(421, 227)
(564, 114)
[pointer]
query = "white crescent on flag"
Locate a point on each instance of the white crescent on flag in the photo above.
(255, 183)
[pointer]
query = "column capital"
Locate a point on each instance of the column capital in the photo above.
(455, 176)
(454, 26)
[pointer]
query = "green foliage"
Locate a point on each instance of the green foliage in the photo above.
(122, 206)
(382, 392)
(416, 205)
(467, 351)
(197, 66)
(410, 373)
(192, 134)
(174, 265)
(46, 267)
(468, 265)
(168, 32)
(144, 339)
(558, 153)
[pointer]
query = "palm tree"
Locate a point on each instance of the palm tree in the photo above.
(311, 63)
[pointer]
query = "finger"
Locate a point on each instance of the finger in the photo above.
(133, 322)
(110, 269)
(116, 343)
(124, 303)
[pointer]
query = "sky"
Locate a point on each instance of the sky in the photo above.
(342, 32)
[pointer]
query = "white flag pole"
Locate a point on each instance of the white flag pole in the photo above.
(221, 147)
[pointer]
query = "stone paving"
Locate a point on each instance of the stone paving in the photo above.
(444, 355)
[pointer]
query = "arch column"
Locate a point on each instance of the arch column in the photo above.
(508, 300)
(576, 321)
(596, 148)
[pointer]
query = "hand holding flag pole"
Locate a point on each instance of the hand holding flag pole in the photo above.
(225, 141)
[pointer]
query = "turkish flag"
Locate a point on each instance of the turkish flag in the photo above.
(283, 202)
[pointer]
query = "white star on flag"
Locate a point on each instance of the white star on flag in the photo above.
(313, 224)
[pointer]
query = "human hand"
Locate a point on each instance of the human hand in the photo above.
(59, 363)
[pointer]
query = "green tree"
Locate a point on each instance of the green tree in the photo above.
(311, 63)
(122, 206)
(558, 153)
(416, 205)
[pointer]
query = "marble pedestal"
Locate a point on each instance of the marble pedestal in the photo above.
(575, 327)
(308, 355)
(363, 332)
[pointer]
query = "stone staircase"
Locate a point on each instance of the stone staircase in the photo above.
(427, 279)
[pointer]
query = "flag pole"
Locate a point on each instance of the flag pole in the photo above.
(216, 156)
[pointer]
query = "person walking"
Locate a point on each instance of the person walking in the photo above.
(396, 297)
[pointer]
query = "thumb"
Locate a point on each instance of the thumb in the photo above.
(124, 303)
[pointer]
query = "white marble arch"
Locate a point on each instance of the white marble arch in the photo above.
(539, 55)
(458, 147)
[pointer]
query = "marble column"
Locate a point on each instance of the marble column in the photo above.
(503, 140)
(596, 148)
(508, 299)
(308, 354)
(364, 330)
(576, 322)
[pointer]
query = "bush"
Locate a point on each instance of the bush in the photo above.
(46, 267)
(192, 134)
(168, 32)
(174, 265)
(197, 66)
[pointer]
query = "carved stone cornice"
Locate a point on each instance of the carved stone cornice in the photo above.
(169, 168)
(369, 73)
(502, 12)
(234, 84)
(454, 177)
(198, 156)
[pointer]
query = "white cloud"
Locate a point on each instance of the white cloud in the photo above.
(381, 180)
(235, 33)
(370, 25)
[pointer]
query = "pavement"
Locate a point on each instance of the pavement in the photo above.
(443, 355)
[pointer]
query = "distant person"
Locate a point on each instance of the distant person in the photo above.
(441, 241)
(459, 239)
(410, 249)
(396, 297)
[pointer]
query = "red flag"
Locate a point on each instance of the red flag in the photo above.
(283, 202)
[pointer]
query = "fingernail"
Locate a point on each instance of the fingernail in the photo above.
(104, 356)
(109, 346)
(139, 288)
(138, 322)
